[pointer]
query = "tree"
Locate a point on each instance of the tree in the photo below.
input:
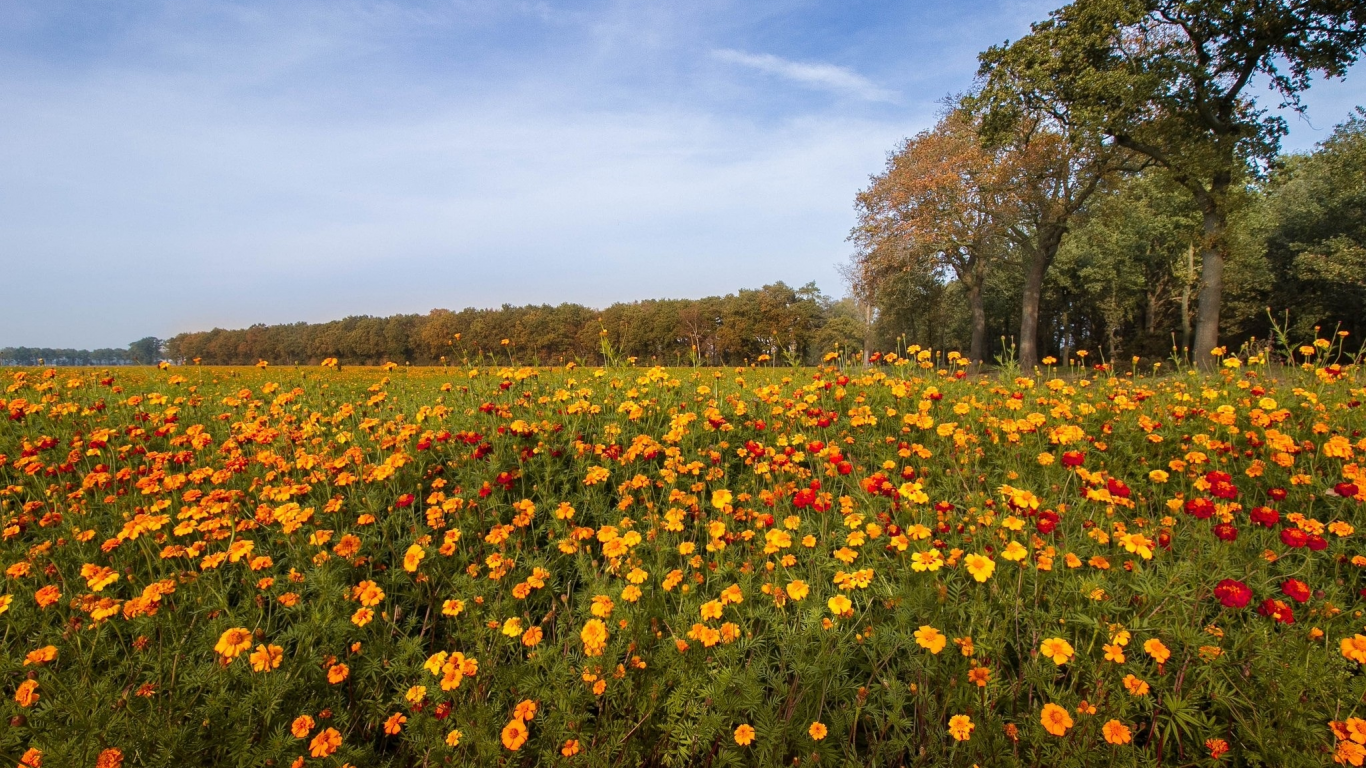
(936, 207)
(1168, 79)
(147, 351)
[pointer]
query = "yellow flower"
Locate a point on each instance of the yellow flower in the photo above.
(453, 738)
(722, 498)
(1014, 552)
(1157, 476)
(1055, 719)
(817, 731)
(744, 735)
(413, 558)
(931, 639)
(798, 590)
(840, 606)
(980, 566)
(1057, 649)
(931, 561)
(960, 727)
(594, 637)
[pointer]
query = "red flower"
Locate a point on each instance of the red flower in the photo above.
(1295, 590)
(1201, 508)
(1347, 490)
(1047, 522)
(1293, 537)
(1277, 610)
(1278, 494)
(406, 500)
(1265, 516)
(1118, 488)
(1073, 459)
(1317, 543)
(1233, 593)
(1226, 532)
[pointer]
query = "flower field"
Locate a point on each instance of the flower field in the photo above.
(899, 565)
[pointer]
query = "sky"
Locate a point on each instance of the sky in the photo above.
(171, 166)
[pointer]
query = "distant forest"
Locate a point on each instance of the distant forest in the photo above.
(793, 325)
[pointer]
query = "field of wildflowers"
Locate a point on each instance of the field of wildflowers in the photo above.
(899, 565)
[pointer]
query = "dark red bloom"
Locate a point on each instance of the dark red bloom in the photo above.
(1295, 589)
(1200, 508)
(1118, 488)
(1047, 522)
(1073, 459)
(1277, 611)
(1347, 490)
(406, 500)
(1316, 543)
(1233, 593)
(1278, 494)
(1226, 532)
(1294, 537)
(1265, 516)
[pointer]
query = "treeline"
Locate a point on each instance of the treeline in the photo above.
(144, 351)
(1112, 183)
(793, 325)
(49, 356)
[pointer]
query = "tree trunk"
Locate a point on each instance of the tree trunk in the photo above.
(1049, 240)
(1211, 276)
(1186, 301)
(977, 346)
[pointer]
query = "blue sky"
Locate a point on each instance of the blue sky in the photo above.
(170, 166)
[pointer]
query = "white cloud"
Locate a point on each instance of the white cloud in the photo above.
(827, 77)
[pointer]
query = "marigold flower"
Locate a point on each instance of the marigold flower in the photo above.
(326, 743)
(1354, 648)
(960, 727)
(525, 710)
(570, 748)
(817, 731)
(1058, 650)
(394, 724)
(931, 639)
(744, 735)
(109, 758)
(515, 734)
(233, 642)
(1135, 686)
(1055, 719)
(453, 738)
(338, 673)
(980, 566)
(840, 606)
(1116, 732)
(302, 726)
(594, 637)
(1154, 648)
(27, 694)
(798, 590)
(45, 655)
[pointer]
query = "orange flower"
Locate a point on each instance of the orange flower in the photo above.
(960, 727)
(233, 642)
(1135, 686)
(817, 731)
(594, 637)
(337, 673)
(532, 637)
(109, 758)
(1159, 652)
(33, 758)
(266, 657)
(570, 748)
(515, 734)
(325, 743)
(744, 735)
(47, 595)
(302, 725)
(413, 558)
(1055, 719)
(931, 639)
(1116, 732)
(394, 724)
(1057, 649)
(27, 695)
(43, 655)
(525, 710)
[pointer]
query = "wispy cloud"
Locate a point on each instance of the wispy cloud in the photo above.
(827, 77)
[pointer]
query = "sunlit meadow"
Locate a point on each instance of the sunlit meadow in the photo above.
(906, 564)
